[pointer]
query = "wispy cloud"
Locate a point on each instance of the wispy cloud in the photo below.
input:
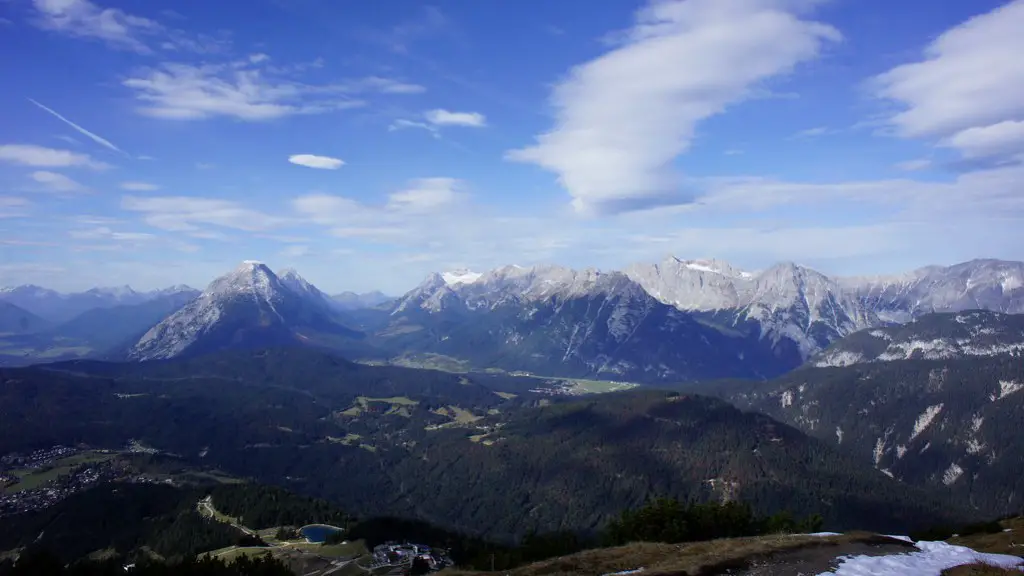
(624, 117)
(442, 117)
(914, 165)
(119, 29)
(402, 124)
(139, 186)
(94, 137)
(314, 161)
(186, 213)
(83, 19)
(815, 132)
(105, 233)
(965, 92)
(405, 211)
(41, 157)
(13, 207)
(239, 90)
(55, 182)
(430, 22)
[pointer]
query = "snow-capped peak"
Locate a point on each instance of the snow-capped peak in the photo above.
(250, 277)
(460, 276)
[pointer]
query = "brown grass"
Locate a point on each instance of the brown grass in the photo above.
(981, 570)
(1011, 542)
(694, 559)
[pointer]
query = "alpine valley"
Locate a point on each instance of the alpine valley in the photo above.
(522, 401)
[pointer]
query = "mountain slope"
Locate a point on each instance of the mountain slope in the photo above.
(446, 448)
(798, 310)
(556, 321)
(951, 423)
(249, 307)
(995, 285)
(17, 320)
(933, 337)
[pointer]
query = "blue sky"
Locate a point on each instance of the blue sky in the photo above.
(369, 143)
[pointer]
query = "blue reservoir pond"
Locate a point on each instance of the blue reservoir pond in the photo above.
(317, 532)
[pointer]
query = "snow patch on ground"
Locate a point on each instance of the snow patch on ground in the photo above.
(1007, 387)
(881, 334)
(879, 451)
(937, 349)
(976, 421)
(930, 560)
(974, 447)
(839, 358)
(952, 474)
(925, 420)
(787, 399)
(839, 435)
(900, 451)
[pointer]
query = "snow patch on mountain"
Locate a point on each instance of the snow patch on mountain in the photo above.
(1007, 387)
(952, 474)
(925, 420)
(462, 276)
(175, 334)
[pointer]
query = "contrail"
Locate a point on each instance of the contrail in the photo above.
(95, 138)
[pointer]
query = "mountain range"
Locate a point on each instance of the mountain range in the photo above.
(676, 320)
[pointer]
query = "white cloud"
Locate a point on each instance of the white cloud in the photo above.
(54, 182)
(402, 124)
(186, 213)
(914, 165)
(966, 90)
(105, 233)
(813, 132)
(13, 207)
(425, 194)
(314, 161)
(139, 186)
(83, 19)
(243, 91)
(383, 85)
(40, 157)
(442, 117)
(1002, 139)
(294, 251)
(119, 29)
(95, 138)
(406, 213)
(623, 118)
(187, 92)
(258, 58)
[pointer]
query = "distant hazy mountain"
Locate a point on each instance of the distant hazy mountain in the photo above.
(557, 321)
(930, 337)
(354, 301)
(57, 307)
(796, 305)
(790, 305)
(17, 320)
(248, 307)
(103, 329)
(996, 285)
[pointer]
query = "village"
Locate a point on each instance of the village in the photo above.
(40, 479)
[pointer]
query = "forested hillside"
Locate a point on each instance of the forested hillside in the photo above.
(953, 425)
(444, 448)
